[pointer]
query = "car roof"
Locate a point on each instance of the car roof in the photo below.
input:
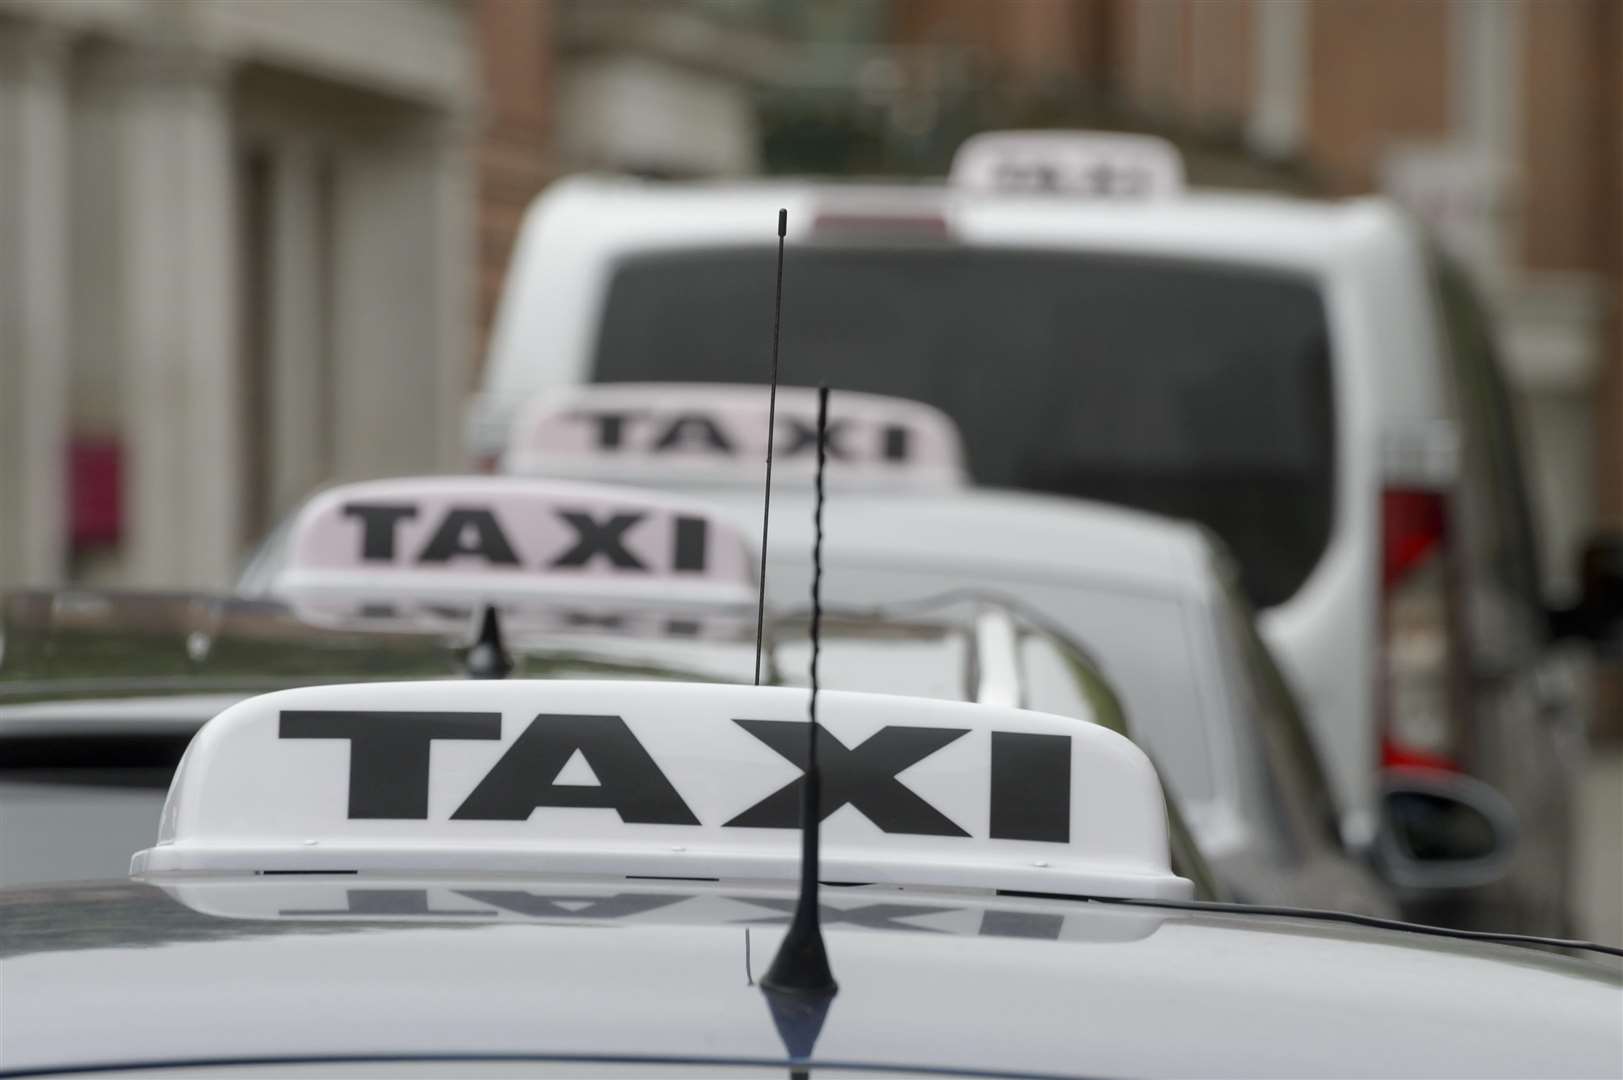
(125, 973)
(1041, 536)
(92, 663)
(114, 643)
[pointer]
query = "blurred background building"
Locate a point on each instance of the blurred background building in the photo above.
(236, 247)
(247, 246)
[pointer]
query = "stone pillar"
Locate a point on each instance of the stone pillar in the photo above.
(454, 198)
(298, 352)
(33, 298)
(179, 320)
(401, 299)
(1279, 83)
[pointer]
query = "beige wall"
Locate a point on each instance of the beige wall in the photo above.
(1379, 73)
(1568, 135)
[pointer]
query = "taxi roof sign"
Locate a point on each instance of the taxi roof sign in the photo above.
(1083, 164)
(716, 434)
(496, 537)
(662, 779)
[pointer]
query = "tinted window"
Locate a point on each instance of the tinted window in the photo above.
(1192, 389)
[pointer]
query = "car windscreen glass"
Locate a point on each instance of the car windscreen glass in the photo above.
(1193, 389)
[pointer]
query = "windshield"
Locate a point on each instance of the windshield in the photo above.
(1192, 389)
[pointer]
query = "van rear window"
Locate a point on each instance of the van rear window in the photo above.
(1194, 389)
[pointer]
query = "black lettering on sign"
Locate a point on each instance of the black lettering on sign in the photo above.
(611, 426)
(872, 916)
(863, 776)
(378, 521)
(613, 906)
(804, 436)
(594, 538)
(1031, 787)
(364, 902)
(691, 536)
(468, 531)
(897, 440)
(526, 776)
(388, 751)
(689, 429)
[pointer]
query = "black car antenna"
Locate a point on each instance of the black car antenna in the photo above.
(771, 431)
(488, 658)
(800, 986)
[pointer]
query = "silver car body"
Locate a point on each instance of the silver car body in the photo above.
(519, 976)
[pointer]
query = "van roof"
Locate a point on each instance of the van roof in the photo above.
(1252, 227)
(576, 230)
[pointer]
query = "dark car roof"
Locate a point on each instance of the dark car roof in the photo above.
(331, 968)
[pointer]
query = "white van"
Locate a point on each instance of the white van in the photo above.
(1298, 376)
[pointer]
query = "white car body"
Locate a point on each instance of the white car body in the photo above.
(1392, 411)
(327, 897)
(1143, 595)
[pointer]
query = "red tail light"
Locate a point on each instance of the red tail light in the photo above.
(487, 463)
(1418, 618)
(1413, 525)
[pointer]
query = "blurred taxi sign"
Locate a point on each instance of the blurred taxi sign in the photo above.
(662, 779)
(497, 537)
(716, 434)
(1084, 164)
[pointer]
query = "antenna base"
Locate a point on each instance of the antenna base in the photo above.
(801, 966)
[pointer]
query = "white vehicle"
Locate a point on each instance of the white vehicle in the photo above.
(1154, 601)
(1297, 376)
(578, 878)
(1144, 597)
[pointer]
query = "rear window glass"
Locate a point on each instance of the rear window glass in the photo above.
(1192, 389)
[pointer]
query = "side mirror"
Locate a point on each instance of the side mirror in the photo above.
(1443, 831)
(1598, 614)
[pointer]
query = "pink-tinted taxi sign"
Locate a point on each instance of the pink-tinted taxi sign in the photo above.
(716, 434)
(478, 537)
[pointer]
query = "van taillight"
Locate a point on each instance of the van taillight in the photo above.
(1416, 619)
(487, 463)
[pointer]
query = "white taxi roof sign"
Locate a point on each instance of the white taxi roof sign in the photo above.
(496, 537)
(662, 779)
(716, 434)
(1082, 164)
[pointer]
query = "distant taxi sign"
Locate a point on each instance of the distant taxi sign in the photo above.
(717, 435)
(494, 537)
(1084, 164)
(662, 779)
